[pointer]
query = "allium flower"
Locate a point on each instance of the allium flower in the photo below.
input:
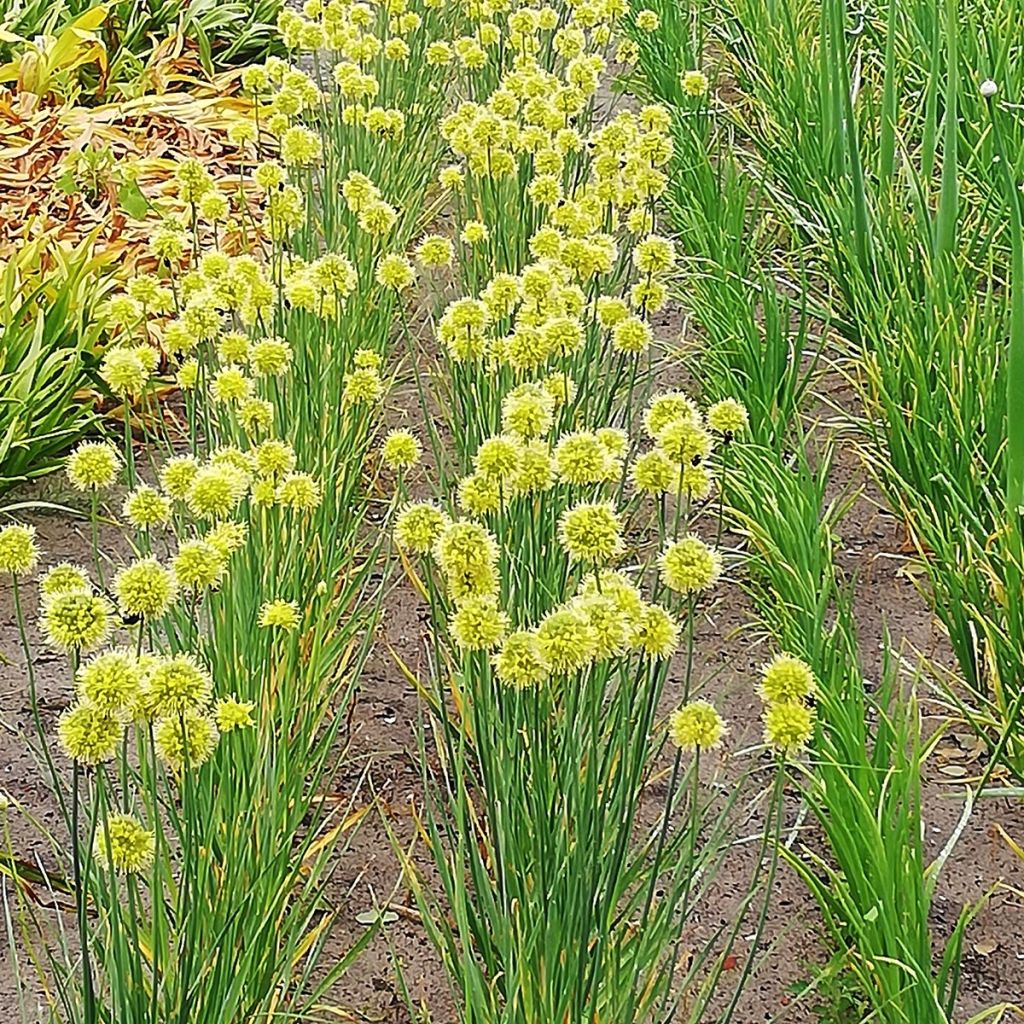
(18, 550)
(565, 641)
(177, 475)
(478, 494)
(689, 565)
(695, 83)
(279, 614)
(124, 371)
(609, 624)
(227, 537)
(592, 533)
(647, 20)
(270, 357)
(632, 335)
(418, 526)
(174, 684)
(124, 845)
(111, 681)
(478, 624)
(230, 385)
(527, 411)
(474, 232)
(788, 726)
(684, 441)
(299, 491)
(231, 714)
(498, 457)
(695, 481)
(274, 458)
(215, 492)
(93, 465)
(696, 726)
(536, 469)
(64, 578)
(146, 507)
(88, 734)
(655, 632)
(653, 473)
(362, 385)
(145, 588)
(520, 662)
(434, 251)
(654, 255)
(395, 271)
(76, 621)
(186, 741)
(666, 408)
(727, 417)
(198, 565)
(400, 450)
(580, 458)
(786, 679)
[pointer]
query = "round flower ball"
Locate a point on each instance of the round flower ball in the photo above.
(689, 565)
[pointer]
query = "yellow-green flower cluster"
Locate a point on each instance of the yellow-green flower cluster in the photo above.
(786, 688)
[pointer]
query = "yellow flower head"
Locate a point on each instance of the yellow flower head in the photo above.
(418, 527)
(174, 684)
(479, 494)
(498, 458)
(788, 726)
(124, 371)
(18, 550)
(146, 507)
(580, 458)
(76, 621)
(362, 386)
(666, 408)
(395, 271)
(478, 624)
(231, 714)
(609, 624)
(400, 450)
(145, 588)
(111, 681)
(270, 357)
(93, 465)
(186, 741)
(124, 845)
(655, 632)
(434, 251)
(88, 734)
(274, 458)
(279, 614)
(728, 417)
(566, 641)
(689, 565)
(177, 475)
(299, 491)
(215, 491)
(696, 726)
(695, 83)
(653, 473)
(684, 441)
(64, 578)
(786, 679)
(520, 662)
(591, 532)
(527, 411)
(198, 565)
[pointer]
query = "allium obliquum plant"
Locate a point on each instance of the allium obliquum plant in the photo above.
(203, 741)
(560, 614)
